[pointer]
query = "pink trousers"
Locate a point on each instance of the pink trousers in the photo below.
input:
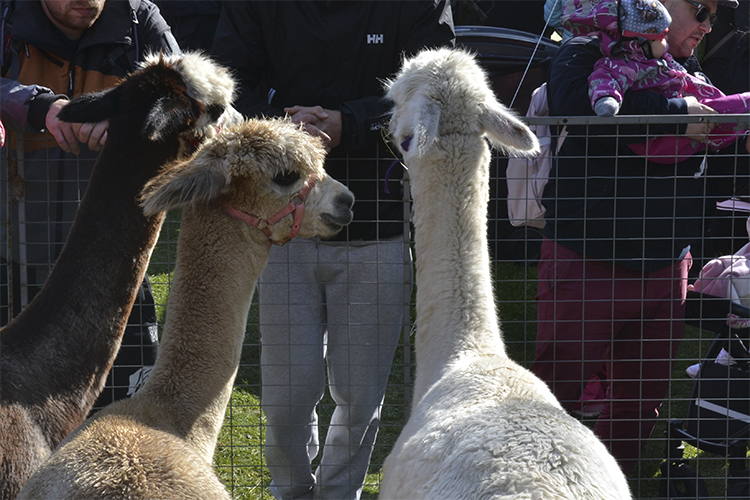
(593, 313)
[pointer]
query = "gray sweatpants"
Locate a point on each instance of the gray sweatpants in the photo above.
(337, 306)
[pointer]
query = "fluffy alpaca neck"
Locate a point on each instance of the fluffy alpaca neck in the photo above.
(456, 316)
(218, 264)
(68, 336)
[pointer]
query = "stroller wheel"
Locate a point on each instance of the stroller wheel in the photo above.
(679, 480)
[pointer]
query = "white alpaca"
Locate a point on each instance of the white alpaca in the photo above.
(481, 425)
(159, 444)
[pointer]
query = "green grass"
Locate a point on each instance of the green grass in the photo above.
(239, 458)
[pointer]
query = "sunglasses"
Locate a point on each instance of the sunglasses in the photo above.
(703, 12)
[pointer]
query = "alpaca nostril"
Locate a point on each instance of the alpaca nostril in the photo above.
(342, 214)
(345, 199)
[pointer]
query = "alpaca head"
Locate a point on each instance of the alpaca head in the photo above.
(258, 168)
(184, 94)
(444, 91)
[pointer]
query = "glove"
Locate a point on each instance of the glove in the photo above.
(607, 106)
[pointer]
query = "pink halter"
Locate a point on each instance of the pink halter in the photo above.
(296, 206)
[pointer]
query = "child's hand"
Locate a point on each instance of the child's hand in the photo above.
(606, 106)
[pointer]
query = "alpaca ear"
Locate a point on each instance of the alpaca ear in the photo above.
(428, 126)
(170, 114)
(503, 129)
(91, 108)
(198, 180)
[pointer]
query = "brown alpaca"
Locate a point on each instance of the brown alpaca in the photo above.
(54, 357)
(160, 442)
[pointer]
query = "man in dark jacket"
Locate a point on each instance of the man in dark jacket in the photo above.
(53, 51)
(613, 271)
(337, 304)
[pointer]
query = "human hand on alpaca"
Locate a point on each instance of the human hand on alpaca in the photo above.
(68, 135)
(323, 123)
(94, 134)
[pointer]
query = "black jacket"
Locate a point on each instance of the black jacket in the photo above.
(46, 68)
(335, 54)
(36, 52)
(605, 201)
(124, 32)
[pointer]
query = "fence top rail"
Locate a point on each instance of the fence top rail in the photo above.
(741, 119)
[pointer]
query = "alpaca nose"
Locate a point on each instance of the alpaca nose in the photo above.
(346, 201)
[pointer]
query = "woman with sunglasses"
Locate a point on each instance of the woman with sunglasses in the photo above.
(613, 272)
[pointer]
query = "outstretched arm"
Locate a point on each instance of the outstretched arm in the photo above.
(23, 108)
(34, 108)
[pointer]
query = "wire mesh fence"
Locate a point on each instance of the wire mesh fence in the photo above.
(699, 443)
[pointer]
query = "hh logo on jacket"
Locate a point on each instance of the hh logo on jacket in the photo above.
(375, 38)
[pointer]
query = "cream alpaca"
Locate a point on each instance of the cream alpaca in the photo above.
(54, 357)
(160, 442)
(481, 425)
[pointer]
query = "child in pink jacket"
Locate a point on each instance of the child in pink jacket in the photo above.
(632, 35)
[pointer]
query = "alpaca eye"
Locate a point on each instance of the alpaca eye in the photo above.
(215, 111)
(286, 179)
